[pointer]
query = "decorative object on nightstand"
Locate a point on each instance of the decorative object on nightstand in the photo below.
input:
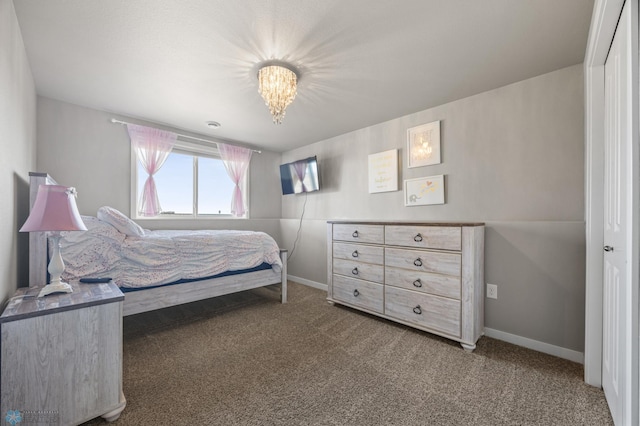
(55, 210)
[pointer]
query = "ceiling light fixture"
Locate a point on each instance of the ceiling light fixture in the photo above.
(213, 124)
(277, 84)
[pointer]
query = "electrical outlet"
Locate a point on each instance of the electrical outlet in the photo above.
(492, 291)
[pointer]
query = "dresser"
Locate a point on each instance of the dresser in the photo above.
(61, 355)
(429, 276)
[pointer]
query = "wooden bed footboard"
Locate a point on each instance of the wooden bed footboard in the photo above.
(151, 299)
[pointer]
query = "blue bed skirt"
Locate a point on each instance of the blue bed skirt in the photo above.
(261, 267)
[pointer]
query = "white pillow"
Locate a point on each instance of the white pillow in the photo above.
(119, 221)
(96, 228)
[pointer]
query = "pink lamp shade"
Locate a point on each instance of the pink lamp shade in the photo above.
(54, 210)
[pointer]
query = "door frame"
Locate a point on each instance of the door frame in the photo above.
(603, 26)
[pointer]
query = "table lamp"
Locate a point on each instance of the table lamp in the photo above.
(54, 210)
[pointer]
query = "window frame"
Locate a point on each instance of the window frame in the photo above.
(196, 150)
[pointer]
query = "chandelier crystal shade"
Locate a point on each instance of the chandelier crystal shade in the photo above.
(277, 85)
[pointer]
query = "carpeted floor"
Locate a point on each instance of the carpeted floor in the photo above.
(245, 359)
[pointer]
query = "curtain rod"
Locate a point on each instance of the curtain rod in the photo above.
(114, 121)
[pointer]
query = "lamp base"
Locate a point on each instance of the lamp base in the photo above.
(59, 287)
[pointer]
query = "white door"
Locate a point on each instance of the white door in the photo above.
(616, 353)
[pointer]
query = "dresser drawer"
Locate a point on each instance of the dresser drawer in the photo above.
(433, 237)
(359, 293)
(361, 270)
(359, 233)
(423, 261)
(358, 252)
(423, 282)
(424, 310)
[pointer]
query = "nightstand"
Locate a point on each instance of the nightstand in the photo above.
(61, 355)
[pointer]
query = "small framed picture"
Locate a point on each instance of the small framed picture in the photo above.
(383, 171)
(424, 191)
(423, 145)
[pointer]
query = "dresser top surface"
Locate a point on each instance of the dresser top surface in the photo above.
(358, 222)
(25, 303)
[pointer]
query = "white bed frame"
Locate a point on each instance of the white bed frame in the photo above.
(159, 297)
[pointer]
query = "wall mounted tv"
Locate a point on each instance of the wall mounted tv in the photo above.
(300, 176)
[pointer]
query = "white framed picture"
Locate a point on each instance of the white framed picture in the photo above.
(424, 191)
(383, 171)
(423, 145)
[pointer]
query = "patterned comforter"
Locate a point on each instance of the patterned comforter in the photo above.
(162, 257)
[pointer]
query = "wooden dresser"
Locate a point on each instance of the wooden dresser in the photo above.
(425, 275)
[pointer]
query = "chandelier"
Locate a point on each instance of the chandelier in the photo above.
(277, 86)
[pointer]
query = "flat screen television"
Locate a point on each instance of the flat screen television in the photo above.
(300, 176)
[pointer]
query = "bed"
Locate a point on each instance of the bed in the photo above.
(171, 289)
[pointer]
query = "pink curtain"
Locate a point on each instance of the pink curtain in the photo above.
(236, 160)
(152, 147)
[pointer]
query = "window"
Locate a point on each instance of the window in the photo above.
(192, 183)
(214, 197)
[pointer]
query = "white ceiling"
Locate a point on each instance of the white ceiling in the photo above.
(362, 62)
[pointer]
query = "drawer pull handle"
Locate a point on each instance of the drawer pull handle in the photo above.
(355, 234)
(355, 271)
(417, 262)
(356, 293)
(417, 310)
(417, 238)
(417, 283)
(355, 253)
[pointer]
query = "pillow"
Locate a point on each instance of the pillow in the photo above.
(96, 230)
(119, 221)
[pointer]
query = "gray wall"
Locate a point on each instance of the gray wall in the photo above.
(17, 151)
(513, 158)
(79, 147)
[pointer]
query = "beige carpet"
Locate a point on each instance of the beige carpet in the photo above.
(245, 359)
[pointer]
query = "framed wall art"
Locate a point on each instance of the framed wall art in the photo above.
(423, 145)
(424, 191)
(383, 171)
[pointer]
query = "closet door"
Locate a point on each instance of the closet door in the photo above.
(617, 293)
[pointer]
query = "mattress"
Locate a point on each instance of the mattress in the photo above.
(261, 267)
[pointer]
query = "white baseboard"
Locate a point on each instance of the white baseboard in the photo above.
(307, 282)
(546, 348)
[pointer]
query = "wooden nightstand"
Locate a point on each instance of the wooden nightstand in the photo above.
(61, 355)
